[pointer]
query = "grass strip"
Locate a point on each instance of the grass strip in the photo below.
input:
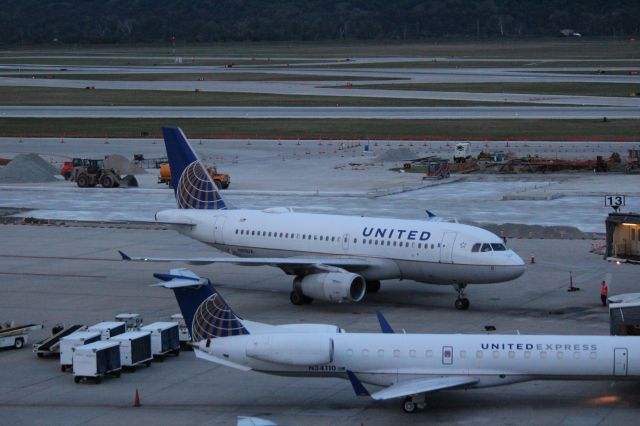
(614, 130)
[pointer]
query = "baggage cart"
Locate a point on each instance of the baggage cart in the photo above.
(135, 348)
(109, 329)
(96, 360)
(164, 339)
(69, 342)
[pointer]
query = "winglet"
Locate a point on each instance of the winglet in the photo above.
(358, 387)
(429, 214)
(384, 325)
(124, 255)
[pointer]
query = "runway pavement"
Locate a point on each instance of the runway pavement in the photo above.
(378, 113)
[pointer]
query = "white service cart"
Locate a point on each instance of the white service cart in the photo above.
(132, 321)
(164, 338)
(135, 348)
(183, 331)
(69, 342)
(109, 329)
(96, 360)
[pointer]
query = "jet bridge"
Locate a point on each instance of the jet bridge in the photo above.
(624, 314)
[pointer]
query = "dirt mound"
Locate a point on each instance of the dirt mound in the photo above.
(519, 230)
(122, 165)
(398, 154)
(28, 168)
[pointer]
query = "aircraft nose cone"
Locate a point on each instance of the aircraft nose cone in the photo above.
(517, 266)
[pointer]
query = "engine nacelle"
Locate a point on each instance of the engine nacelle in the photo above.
(291, 349)
(333, 286)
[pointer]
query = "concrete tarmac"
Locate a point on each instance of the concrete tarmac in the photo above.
(73, 275)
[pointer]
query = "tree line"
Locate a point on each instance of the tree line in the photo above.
(144, 21)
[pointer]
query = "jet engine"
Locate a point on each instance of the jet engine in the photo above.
(332, 286)
(291, 349)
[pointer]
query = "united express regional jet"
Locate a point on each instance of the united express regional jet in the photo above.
(406, 366)
(333, 258)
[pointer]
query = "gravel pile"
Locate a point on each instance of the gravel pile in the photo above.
(28, 168)
(398, 154)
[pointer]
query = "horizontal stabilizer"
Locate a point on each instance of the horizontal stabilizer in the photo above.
(181, 282)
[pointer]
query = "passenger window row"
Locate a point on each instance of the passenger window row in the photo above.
(270, 234)
(412, 353)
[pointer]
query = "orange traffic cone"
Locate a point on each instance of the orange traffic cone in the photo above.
(136, 401)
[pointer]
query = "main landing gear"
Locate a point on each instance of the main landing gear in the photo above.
(462, 303)
(298, 298)
(411, 404)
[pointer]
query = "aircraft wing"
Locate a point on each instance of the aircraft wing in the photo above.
(291, 265)
(422, 386)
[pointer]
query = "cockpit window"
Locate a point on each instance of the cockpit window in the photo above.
(498, 247)
(476, 247)
(486, 247)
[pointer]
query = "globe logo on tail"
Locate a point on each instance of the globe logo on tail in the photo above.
(196, 190)
(214, 318)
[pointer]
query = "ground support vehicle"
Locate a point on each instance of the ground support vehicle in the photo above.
(51, 345)
(164, 339)
(96, 360)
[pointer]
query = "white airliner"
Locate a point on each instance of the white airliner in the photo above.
(405, 366)
(334, 258)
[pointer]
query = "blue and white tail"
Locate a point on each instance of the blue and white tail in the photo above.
(205, 312)
(192, 185)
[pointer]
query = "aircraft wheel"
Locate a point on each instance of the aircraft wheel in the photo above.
(465, 304)
(297, 298)
(408, 406)
(459, 305)
(18, 343)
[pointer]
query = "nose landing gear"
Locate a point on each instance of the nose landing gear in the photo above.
(462, 303)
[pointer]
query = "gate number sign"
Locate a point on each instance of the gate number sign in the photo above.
(614, 200)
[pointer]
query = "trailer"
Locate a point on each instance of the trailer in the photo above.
(96, 360)
(135, 348)
(108, 329)
(51, 345)
(132, 321)
(164, 339)
(183, 331)
(16, 336)
(68, 343)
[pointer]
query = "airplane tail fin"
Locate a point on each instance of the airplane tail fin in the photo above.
(205, 312)
(192, 185)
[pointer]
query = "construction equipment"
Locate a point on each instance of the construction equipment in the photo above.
(462, 152)
(633, 162)
(89, 173)
(16, 336)
(436, 168)
(222, 180)
(51, 345)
